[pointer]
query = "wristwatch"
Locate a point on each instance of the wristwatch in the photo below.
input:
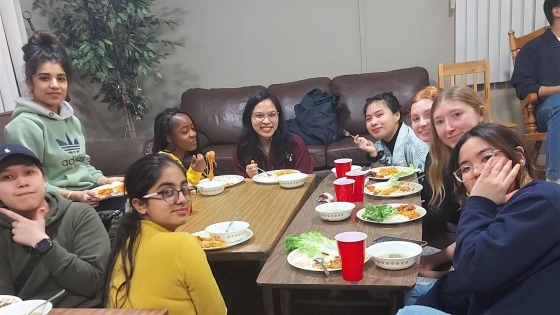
(376, 158)
(43, 246)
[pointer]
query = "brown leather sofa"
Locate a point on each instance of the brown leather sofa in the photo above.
(217, 112)
(111, 156)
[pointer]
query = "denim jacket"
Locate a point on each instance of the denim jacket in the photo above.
(408, 150)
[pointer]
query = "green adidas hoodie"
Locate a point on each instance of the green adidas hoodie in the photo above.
(57, 140)
(76, 262)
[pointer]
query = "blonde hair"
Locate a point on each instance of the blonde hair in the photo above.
(429, 92)
(440, 153)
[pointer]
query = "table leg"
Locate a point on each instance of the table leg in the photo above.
(268, 300)
(285, 302)
(396, 301)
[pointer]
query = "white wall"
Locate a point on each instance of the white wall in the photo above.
(249, 42)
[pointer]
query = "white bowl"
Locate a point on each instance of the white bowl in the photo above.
(411, 251)
(23, 308)
(8, 300)
(292, 180)
(235, 233)
(335, 211)
(211, 187)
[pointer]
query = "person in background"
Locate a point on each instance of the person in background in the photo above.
(47, 242)
(420, 112)
(508, 220)
(397, 144)
(151, 266)
(47, 126)
(537, 70)
(175, 135)
(265, 142)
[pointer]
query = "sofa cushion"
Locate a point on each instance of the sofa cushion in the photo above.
(290, 94)
(346, 148)
(355, 89)
(224, 158)
(114, 156)
(217, 113)
(317, 152)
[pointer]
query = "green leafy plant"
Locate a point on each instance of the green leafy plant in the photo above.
(113, 42)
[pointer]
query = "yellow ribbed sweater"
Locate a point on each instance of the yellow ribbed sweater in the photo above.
(193, 177)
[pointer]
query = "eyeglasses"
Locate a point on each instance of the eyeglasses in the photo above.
(259, 117)
(170, 196)
(465, 171)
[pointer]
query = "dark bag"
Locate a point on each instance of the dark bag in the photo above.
(26, 272)
(316, 119)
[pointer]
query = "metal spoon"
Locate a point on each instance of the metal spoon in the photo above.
(47, 301)
(319, 260)
(260, 169)
(229, 225)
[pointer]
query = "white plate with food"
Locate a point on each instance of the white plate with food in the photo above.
(386, 172)
(392, 213)
(231, 180)
(353, 168)
(116, 189)
(263, 178)
(392, 189)
(208, 243)
(6, 300)
(301, 260)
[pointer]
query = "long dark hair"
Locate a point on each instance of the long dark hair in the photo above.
(386, 97)
(43, 47)
(138, 180)
(501, 138)
(248, 147)
(162, 128)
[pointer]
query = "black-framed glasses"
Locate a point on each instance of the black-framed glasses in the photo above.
(465, 171)
(259, 117)
(171, 195)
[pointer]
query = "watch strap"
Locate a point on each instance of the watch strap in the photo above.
(43, 246)
(376, 158)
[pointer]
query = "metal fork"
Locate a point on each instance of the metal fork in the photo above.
(320, 260)
(260, 169)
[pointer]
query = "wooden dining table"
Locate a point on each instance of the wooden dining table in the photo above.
(278, 276)
(105, 311)
(269, 209)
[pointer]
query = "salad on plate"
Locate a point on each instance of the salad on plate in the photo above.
(390, 213)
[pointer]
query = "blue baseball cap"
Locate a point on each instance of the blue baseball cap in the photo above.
(7, 150)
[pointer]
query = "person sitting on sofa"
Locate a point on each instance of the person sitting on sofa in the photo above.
(265, 141)
(420, 112)
(48, 243)
(47, 125)
(175, 135)
(151, 266)
(397, 144)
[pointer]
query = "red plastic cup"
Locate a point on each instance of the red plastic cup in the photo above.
(360, 181)
(344, 189)
(352, 247)
(342, 166)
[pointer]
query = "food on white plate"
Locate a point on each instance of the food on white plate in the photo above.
(113, 189)
(388, 214)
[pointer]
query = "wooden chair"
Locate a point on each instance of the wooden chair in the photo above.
(528, 104)
(471, 68)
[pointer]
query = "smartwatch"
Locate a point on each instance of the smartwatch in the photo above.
(376, 158)
(43, 246)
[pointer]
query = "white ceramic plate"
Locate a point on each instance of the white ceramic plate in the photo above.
(248, 235)
(415, 188)
(300, 260)
(6, 300)
(399, 168)
(108, 186)
(231, 180)
(262, 178)
(353, 168)
(418, 209)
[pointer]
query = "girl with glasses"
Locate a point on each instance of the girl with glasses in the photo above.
(151, 266)
(265, 141)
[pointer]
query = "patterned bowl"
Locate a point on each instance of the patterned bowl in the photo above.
(383, 254)
(27, 306)
(292, 180)
(210, 188)
(335, 211)
(235, 233)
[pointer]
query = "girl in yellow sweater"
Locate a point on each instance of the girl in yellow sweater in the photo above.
(151, 266)
(175, 135)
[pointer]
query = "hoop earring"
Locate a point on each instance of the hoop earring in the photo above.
(522, 161)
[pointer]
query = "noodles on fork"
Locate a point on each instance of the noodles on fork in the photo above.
(211, 158)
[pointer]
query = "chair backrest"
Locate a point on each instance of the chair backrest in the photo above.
(467, 68)
(516, 43)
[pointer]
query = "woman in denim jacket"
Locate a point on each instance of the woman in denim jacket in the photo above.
(397, 144)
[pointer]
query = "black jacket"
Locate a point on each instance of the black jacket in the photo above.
(536, 65)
